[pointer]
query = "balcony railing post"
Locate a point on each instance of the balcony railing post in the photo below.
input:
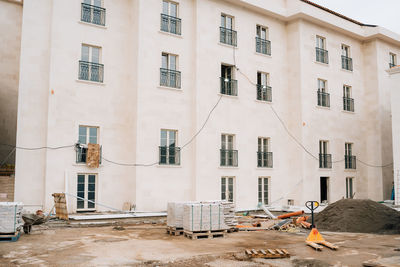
(170, 24)
(347, 63)
(323, 99)
(263, 46)
(348, 104)
(321, 55)
(264, 93)
(325, 161)
(264, 159)
(170, 78)
(93, 14)
(228, 157)
(228, 86)
(90, 71)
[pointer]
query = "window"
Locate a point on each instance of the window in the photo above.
(86, 189)
(349, 187)
(87, 134)
(169, 76)
(323, 96)
(169, 152)
(263, 45)
(325, 159)
(169, 18)
(393, 60)
(321, 53)
(229, 156)
(263, 191)
(227, 187)
(350, 160)
(93, 12)
(90, 68)
(264, 91)
(347, 61)
(348, 102)
(227, 34)
(264, 156)
(228, 84)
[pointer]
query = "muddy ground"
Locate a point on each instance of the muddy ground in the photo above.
(149, 245)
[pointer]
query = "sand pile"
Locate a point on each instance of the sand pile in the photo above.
(358, 216)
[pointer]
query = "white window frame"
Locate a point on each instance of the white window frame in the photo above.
(348, 149)
(90, 54)
(323, 146)
(88, 134)
(347, 93)
(93, 2)
(346, 50)
(225, 189)
(225, 18)
(261, 194)
(322, 85)
(86, 191)
(321, 41)
(260, 29)
(168, 56)
(265, 143)
(265, 80)
(169, 131)
(170, 3)
(225, 143)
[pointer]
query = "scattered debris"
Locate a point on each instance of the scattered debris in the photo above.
(119, 228)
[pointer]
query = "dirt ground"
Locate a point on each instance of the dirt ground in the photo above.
(149, 245)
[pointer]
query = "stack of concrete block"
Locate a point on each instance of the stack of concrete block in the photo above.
(229, 211)
(10, 217)
(203, 217)
(175, 214)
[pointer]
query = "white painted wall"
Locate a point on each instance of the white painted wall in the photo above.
(131, 108)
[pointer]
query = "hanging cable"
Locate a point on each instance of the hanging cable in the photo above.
(38, 148)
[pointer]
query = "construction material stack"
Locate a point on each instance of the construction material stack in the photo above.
(203, 217)
(10, 220)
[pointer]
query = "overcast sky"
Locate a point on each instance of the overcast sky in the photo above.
(385, 13)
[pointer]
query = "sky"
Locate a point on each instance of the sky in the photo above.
(385, 13)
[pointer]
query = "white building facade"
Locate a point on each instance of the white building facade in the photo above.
(255, 102)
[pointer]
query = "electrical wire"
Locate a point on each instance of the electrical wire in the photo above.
(38, 148)
(286, 128)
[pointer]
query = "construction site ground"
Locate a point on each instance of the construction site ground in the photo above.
(149, 245)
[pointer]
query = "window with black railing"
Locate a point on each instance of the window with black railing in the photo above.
(91, 71)
(81, 154)
(347, 63)
(229, 157)
(170, 24)
(264, 93)
(228, 36)
(348, 104)
(323, 99)
(228, 86)
(93, 14)
(325, 161)
(350, 162)
(264, 159)
(263, 46)
(170, 155)
(321, 55)
(170, 78)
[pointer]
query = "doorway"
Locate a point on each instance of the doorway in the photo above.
(324, 189)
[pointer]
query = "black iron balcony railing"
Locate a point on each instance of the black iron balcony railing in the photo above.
(93, 14)
(264, 159)
(325, 161)
(323, 99)
(347, 63)
(81, 154)
(350, 162)
(229, 157)
(170, 78)
(391, 65)
(321, 55)
(263, 46)
(170, 155)
(170, 24)
(227, 36)
(90, 71)
(264, 93)
(228, 86)
(348, 104)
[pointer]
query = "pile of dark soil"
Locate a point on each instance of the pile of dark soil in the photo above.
(358, 216)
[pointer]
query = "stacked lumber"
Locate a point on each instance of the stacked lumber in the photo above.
(10, 217)
(203, 217)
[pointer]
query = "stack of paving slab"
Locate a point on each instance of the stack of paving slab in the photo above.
(10, 217)
(201, 215)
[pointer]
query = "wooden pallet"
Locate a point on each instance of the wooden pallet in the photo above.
(174, 230)
(233, 229)
(268, 253)
(205, 234)
(10, 237)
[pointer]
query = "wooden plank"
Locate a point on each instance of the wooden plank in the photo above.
(285, 251)
(279, 251)
(254, 251)
(271, 251)
(314, 245)
(263, 252)
(248, 252)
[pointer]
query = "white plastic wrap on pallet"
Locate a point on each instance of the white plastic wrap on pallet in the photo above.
(10, 216)
(203, 217)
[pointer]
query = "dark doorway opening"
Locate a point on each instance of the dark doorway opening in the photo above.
(324, 184)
